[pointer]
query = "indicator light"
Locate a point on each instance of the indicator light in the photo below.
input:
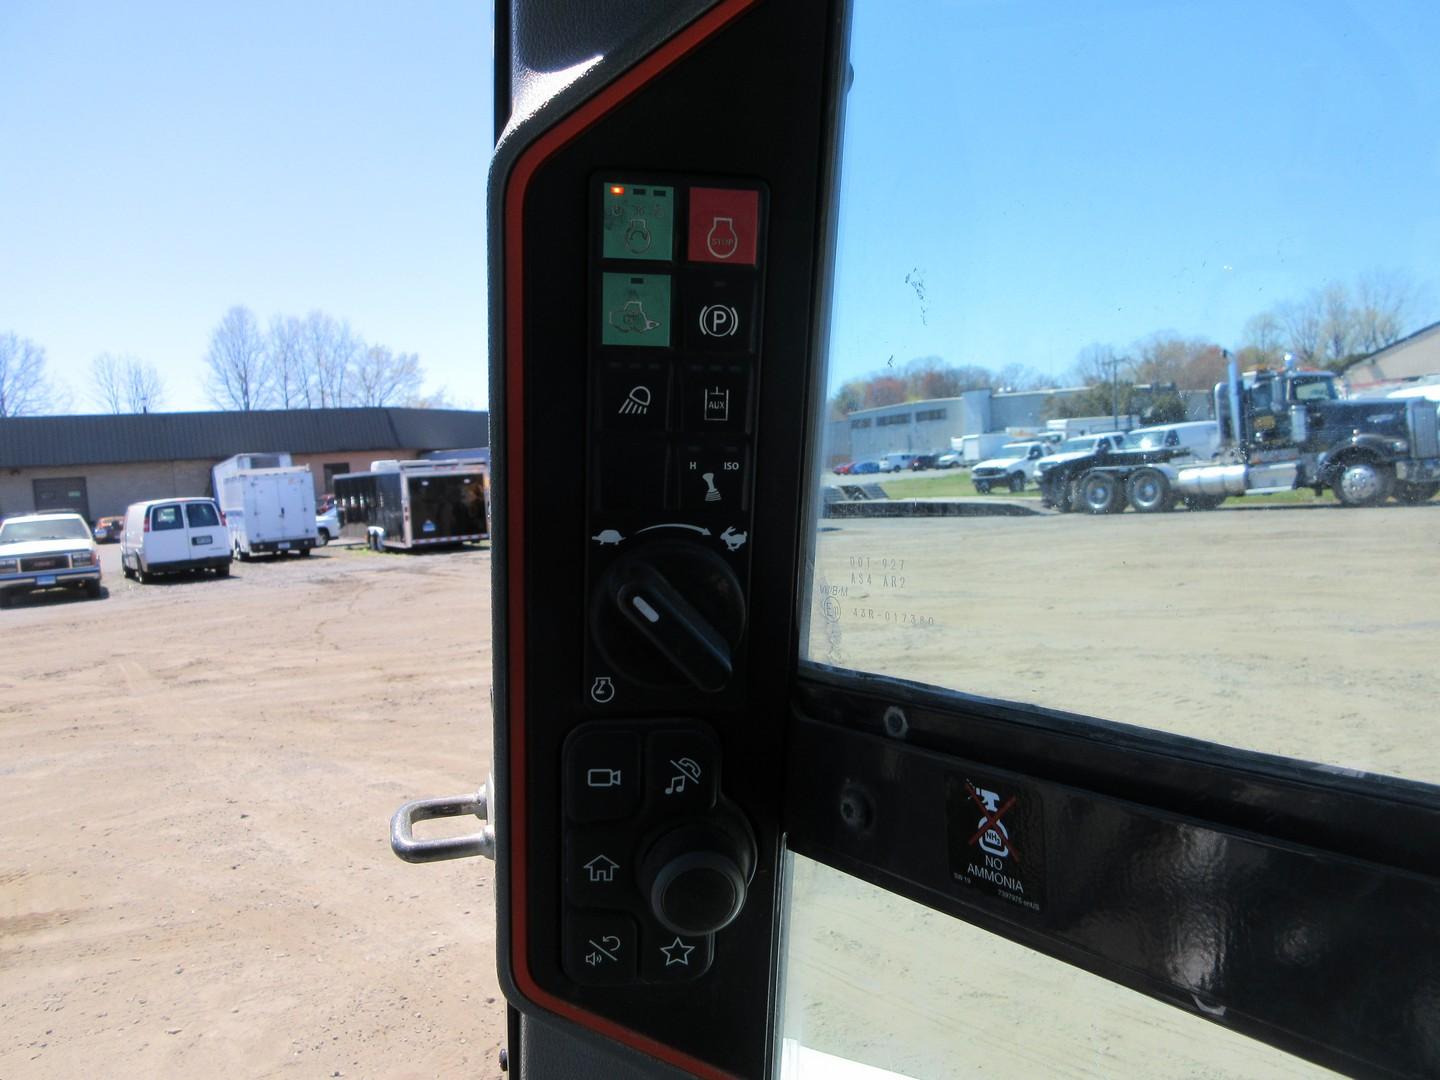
(616, 189)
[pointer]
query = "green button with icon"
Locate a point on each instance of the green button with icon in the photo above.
(635, 309)
(638, 220)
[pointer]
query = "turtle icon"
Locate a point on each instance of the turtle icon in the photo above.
(607, 536)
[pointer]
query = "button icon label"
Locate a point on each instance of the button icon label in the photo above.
(637, 402)
(604, 951)
(717, 404)
(638, 221)
(601, 870)
(724, 226)
(687, 771)
(603, 689)
(677, 952)
(712, 493)
(602, 778)
(734, 541)
(719, 320)
(636, 309)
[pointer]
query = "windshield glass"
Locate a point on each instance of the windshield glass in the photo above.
(1122, 252)
(17, 532)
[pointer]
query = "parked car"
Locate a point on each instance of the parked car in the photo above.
(171, 536)
(1075, 448)
(896, 461)
(862, 467)
(47, 551)
(843, 468)
(327, 524)
(1011, 468)
(925, 461)
(108, 530)
(949, 460)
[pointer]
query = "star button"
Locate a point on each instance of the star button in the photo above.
(677, 952)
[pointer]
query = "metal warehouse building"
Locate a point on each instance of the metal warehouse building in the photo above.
(99, 465)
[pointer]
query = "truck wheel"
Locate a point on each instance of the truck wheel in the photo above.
(1149, 492)
(141, 574)
(323, 538)
(305, 552)
(1203, 502)
(1361, 482)
(1101, 493)
(241, 553)
(223, 570)
(1017, 482)
(92, 590)
(982, 486)
(1411, 493)
(125, 569)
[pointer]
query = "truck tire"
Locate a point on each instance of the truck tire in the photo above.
(323, 538)
(241, 553)
(1148, 491)
(1362, 482)
(92, 590)
(1411, 493)
(141, 574)
(982, 486)
(1203, 502)
(223, 570)
(1017, 482)
(1101, 493)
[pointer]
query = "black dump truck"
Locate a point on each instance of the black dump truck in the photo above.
(1279, 431)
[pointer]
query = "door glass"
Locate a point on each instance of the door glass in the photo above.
(874, 978)
(201, 515)
(163, 518)
(1055, 224)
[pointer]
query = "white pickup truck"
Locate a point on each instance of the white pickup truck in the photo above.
(1012, 468)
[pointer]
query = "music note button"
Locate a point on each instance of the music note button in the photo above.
(681, 768)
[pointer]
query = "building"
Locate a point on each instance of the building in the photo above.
(918, 426)
(1410, 357)
(99, 465)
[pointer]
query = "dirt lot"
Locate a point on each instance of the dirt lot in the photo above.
(196, 781)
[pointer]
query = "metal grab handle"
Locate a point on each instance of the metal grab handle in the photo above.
(402, 837)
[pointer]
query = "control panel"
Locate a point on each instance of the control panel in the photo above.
(676, 277)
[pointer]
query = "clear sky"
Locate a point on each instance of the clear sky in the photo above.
(1061, 172)
(162, 161)
(1052, 172)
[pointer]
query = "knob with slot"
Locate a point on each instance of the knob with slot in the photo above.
(670, 614)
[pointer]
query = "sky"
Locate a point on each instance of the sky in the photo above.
(1046, 173)
(163, 161)
(1055, 173)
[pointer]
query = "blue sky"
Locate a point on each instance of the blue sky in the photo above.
(1060, 172)
(160, 162)
(1055, 173)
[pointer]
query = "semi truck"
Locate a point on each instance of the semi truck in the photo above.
(1279, 430)
(268, 504)
(404, 505)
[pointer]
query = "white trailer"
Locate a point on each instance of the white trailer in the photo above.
(973, 448)
(269, 504)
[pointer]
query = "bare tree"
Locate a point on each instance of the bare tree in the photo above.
(25, 388)
(237, 375)
(1304, 322)
(1382, 307)
(124, 384)
(329, 349)
(1337, 328)
(382, 377)
(285, 356)
(1265, 335)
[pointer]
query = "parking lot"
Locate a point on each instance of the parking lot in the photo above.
(196, 779)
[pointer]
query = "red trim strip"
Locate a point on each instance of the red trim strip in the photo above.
(530, 160)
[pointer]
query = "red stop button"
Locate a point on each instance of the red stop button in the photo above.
(724, 226)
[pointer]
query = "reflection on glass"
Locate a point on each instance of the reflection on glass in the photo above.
(876, 979)
(1058, 226)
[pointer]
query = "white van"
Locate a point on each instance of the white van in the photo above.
(1200, 437)
(168, 536)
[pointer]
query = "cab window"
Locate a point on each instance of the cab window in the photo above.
(163, 518)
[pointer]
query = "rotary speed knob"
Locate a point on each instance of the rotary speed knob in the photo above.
(670, 614)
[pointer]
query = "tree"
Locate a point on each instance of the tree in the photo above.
(285, 361)
(382, 377)
(1304, 323)
(124, 384)
(237, 375)
(1382, 308)
(25, 388)
(328, 352)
